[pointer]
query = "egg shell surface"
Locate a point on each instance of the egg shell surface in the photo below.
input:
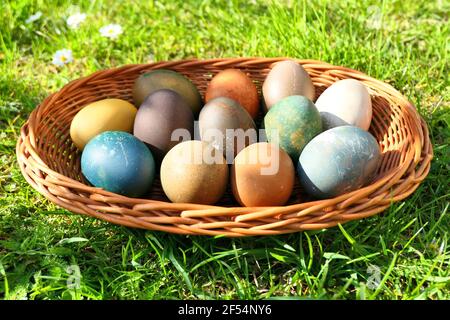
(118, 162)
(234, 84)
(163, 112)
(262, 174)
(154, 80)
(292, 123)
(194, 172)
(100, 116)
(224, 123)
(338, 161)
(345, 102)
(286, 78)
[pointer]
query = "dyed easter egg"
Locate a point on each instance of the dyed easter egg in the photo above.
(293, 122)
(118, 162)
(152, 81)
(234, 84)
(345, 102)
(100, 116)
(337, 161)
(227, 126)
(194, 172)
(262, 175)
(163, 112)
(286, 78)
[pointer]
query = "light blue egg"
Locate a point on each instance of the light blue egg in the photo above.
(338, 161)
(118, 162)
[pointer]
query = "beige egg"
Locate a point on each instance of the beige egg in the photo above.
(262, 175)
(287, 78)
(345, 102)
(100, 116)
(194, 172)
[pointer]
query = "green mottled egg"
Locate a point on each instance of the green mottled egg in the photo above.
(292, 123)
(154, 80)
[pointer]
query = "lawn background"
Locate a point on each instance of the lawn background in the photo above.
(404, 43)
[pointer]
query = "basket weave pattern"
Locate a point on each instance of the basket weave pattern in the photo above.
(50, 162)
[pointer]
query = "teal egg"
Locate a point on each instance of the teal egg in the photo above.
(293, 121)
(118, 162)
(338, 161)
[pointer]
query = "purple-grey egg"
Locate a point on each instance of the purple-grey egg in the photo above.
(118, 162)
(338, 161)
(163, 120)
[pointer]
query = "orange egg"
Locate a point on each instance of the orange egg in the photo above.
(262, 174)
(234, 84)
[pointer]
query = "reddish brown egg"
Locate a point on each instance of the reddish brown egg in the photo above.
(262, 175)
(234, 84)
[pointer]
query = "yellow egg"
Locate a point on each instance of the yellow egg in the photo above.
(100, 116)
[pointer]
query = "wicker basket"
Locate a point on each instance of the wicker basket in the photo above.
(51, 163)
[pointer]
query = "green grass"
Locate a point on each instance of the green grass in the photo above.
(408, 243)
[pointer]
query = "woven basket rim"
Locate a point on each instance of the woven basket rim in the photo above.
(89, 200)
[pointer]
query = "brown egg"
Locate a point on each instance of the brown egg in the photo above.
(262, 175)
(163, 112)
(287, 78)
(226, 125)
(234, 84)
(194, 172)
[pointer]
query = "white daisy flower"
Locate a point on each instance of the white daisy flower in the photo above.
(34, 17)
(62, 57)
(111, 31)
(75, 20)
(151, 58)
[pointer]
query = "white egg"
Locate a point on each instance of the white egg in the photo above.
(345, 102)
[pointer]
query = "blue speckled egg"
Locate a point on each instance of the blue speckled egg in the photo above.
(338, 161)
(118, 162)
